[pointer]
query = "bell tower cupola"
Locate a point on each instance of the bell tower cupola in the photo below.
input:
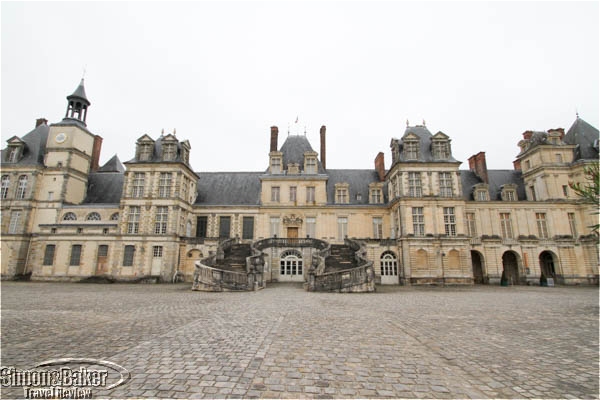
(77, 105)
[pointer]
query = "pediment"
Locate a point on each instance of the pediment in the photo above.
(440, 136)
(145, 138)
(15, 141)
(410, 136)
(169, 138)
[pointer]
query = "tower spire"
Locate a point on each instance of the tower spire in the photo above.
(78, 104)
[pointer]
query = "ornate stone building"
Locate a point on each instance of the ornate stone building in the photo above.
(423, 220)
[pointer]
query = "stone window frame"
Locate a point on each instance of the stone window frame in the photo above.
(145, 150)
(572, 224)
(342, 225)
(275, 194)
(481, 192)
(440, 149)
(22, 184)
(138, 184)
(49, 253)
(161, 220)
(75, 256)
(415, 184)
(69, 216)
(157, 251)
(311, 165)
(93, 216)
(276, 164)
(311, 194)
(5, 186)
(449, 221)
(293, 193)
(541, 219)
(506, 227)
(376, 193)
(15, 218)
(471, 224)
(114, 216)
(169, 151)
(418, 218)
(311, 226)
(378, 227)
(128, 255)
(445, 184)
(342, 193)
(13, 153)
(165, 184)
(133, 219)
(508, 192)
(291, 263)
(411, 149)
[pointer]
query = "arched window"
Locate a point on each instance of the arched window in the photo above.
(69, 217)
(22, 188)
(291, 263)
(5, 185)
(114, 217)
(93, 216)
(389, 264)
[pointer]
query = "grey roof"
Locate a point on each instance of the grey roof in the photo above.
(80, 92)
(496, 178)
(293, 150)
(157, 154)
(358, 181)
(585, 136)
(425, 139)
(228, 188)
(112, 165)
(34, 149)
(104, 187)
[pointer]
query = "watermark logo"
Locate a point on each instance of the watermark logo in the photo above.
(65, 378)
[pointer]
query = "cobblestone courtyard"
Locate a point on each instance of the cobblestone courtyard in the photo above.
(282, 342)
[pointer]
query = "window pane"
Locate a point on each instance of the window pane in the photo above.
(49, 254)
(75, 254)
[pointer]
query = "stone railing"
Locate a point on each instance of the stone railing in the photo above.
(290, 242)
(357, 279)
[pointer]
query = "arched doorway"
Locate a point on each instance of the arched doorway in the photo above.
(291, 266)
(510, 269)
(548, 267)
(477, 263)
(389, 268)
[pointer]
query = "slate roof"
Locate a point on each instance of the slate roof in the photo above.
(228, 188)
(79, 92)
(293, 150)
(358, 181)
(104, 188)
(585, 136)
(34, 149)
(496, 178)
(112, 165)
(425, 139)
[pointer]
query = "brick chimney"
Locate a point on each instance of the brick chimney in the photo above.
(477, 164)
(96, 153)
(41, 121)
(380, 166)
(323, 152)
(517, 165)
(274, 134)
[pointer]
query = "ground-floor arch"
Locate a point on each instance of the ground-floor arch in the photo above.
(291, 266)
(478, 268)
(510, 269)
(548, 267)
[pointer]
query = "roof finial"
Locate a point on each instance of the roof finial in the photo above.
(304, 130)
(576, 112)
(424, 123)
(174, 132)
(84, 69)
(407, 123)
(288, 129)
(162, 132)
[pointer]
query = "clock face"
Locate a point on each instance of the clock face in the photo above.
(61, 137)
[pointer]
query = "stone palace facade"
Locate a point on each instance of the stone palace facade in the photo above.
(422, 221)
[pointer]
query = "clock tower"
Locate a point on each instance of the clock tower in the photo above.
(71, 152)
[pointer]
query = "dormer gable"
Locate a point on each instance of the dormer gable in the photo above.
(440, 146)
(144, 148)
(169, 147)
(15, 150)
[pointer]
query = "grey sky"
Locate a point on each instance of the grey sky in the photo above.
(223, 73)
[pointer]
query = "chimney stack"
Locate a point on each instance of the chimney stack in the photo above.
(274, 134)
(323, 151)
(527, 135)
(380, 166)
(96, 153)
(478, 165)
(560, 131)
(41, 121)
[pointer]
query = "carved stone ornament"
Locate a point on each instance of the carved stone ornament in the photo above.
(292, 220)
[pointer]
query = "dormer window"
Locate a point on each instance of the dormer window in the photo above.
(440, 150)
(145, 152)
(481, 192)
(376, 193)
(13, 154)
(341, 193)
(276, 164)
(411, 150)
(169, 151)
(509, 192)
(311, 165)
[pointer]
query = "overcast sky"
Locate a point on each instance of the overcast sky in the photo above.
(223, 73)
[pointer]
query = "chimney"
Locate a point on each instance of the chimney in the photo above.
(323, 152)
(96, 153)
(561, 131)
(517, 165)
(274, 134)
(477, 164)
(41, 121)
(527, 135)
(380, 166)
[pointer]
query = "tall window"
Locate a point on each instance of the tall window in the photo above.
(440, 150)
(506, 225)
(342, 228)
(532, 191)
(310, 194)
(341, 196)
(15, 216)
(145, 152)
(13, 154)
(75, 255)
(481, 195)
(275, 194)
(470, 223)
(5, 185)
(445, 184)
(201, 226)
(418, 221)
(22, 188)
(311, 165)
(377, 227)
(49, 254)
(248, 228)
(571, 217)
(510, 195)
(274, 226)
(169, 152)
(157, 251)
(449, 221)
(224, 227)
(565, 190)
(389, 264)
(541, 225)
(293, 191)
(376, 196)
(128, 254)
(164, 184)
(411, 150)
(160, 220)
(414, 184)
(311, 225)
(137, 187)
(275, 165)
(133, 221)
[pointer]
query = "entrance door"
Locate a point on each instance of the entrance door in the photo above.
(292, 233)
(547, 267)
(157, 253)
(389, 268)
(101, 264)
(291, 266)
(510, 272)
(477, 268)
